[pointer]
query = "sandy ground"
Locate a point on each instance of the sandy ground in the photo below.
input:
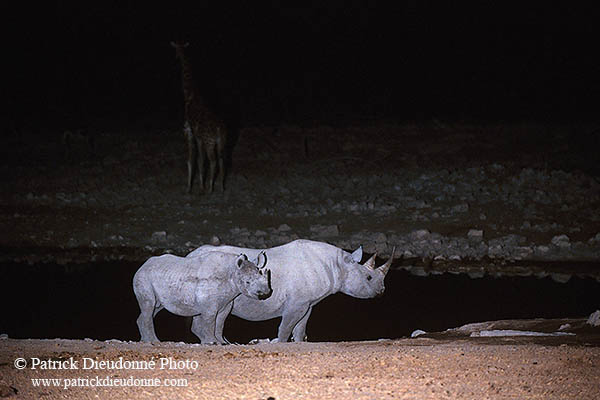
(423, 368)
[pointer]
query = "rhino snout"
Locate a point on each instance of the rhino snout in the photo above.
(380, 292)
(264, 295)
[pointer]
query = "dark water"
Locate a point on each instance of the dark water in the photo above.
(97, 301)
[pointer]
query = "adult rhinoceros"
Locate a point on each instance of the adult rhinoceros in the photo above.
(303, 273)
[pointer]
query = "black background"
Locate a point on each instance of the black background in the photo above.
(269, 62)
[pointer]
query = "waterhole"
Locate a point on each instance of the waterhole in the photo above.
(96, 301)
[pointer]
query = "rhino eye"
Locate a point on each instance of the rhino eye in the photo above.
(369, 277)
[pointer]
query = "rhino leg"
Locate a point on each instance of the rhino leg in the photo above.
(221, 317)
(299, 331)
(149, 309)
(203, 326)
(289, 320)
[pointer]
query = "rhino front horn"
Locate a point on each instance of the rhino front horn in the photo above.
(386, 267)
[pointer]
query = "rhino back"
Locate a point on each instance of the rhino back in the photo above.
(302, 271)
(172, 276)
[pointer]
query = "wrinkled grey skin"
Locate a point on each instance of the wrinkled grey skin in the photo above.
(303, 273)
(203, 288)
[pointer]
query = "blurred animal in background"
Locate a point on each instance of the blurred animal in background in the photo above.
(205, 132)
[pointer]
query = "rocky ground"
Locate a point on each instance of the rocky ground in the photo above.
(478, 199)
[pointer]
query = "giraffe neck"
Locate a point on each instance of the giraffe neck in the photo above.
(187, 79)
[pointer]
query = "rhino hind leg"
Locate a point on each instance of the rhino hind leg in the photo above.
(203, 326)
(290, 318)
(148, 309)
(299, 331)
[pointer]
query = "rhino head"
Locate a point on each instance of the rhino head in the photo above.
(253, 281)
(364, 280)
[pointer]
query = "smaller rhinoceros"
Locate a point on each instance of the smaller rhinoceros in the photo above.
(201, 287)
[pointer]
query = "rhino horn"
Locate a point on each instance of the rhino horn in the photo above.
(386, 267)
(370, 263)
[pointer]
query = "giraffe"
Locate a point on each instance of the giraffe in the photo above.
(204, 131)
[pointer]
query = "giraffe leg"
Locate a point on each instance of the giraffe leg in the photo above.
(192, 154)
(212, 165)
(220, 155)
(200, 161)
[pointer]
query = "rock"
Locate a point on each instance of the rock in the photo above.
(595, 239)
(460, 208)
(418, 271)
(419, 234)
(284, 228)
(417, 333)
(542, 250)
(594, 319)
(280, 239)
(380, 238)
(381, 247)
(259, 243)
(159, 237)
(523, 252)
(564, 327)
(215, 241)
(495, 251)
(325, 230)
(476, 274)
(475, 234)
(7, 391)
(354, 208)
(561, 241)
(560, 278)
(4, 336)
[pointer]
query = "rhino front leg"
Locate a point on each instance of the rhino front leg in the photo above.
(203, 326)
(299, 331)
(221, 317)
(290, 318)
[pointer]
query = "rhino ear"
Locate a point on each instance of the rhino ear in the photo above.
(260, 255)
(357, 255)
(240, 260)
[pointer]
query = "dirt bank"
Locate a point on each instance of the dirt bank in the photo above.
(472, 368)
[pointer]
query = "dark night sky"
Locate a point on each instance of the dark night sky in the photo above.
(319, 61)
